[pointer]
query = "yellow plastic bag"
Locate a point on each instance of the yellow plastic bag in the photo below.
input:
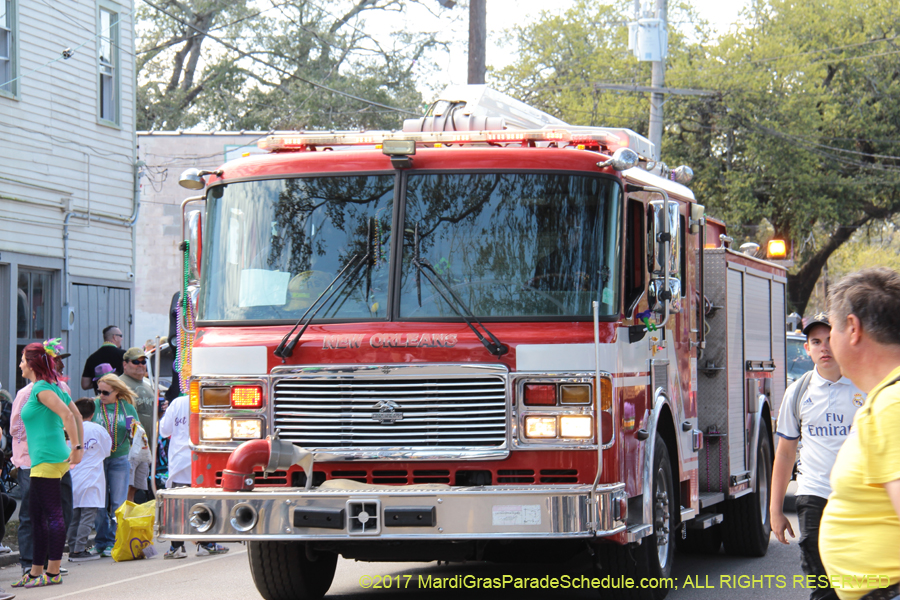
(134, 531)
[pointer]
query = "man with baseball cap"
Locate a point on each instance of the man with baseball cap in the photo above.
(818, 410)
(135, 365)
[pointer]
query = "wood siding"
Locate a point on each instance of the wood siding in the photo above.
(55, 155)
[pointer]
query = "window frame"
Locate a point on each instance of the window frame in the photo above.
(48, 301)
(114, 38)
(633, 275)
(12, 29)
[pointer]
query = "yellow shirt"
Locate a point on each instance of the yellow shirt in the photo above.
(860, 531)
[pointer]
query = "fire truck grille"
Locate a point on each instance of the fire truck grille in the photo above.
(411, 412)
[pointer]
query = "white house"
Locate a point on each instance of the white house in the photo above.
(68, 173)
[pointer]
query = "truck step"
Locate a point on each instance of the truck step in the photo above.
(710, 498)
(705, 521)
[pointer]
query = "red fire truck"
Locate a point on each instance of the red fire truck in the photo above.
(490, 335)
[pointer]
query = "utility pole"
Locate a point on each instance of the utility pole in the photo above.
(477, 40)
(658, 80)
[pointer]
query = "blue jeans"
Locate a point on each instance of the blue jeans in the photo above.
(26, 544)
(116, 471)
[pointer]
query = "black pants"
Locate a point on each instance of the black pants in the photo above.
(7, 508)
(809, 514)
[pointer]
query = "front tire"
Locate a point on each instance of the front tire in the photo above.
(282, 571)
(747, 525)
(653, 557)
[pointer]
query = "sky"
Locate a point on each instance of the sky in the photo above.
(503, 14)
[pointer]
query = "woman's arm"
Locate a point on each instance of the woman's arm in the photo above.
(54, 403)
(79, 423)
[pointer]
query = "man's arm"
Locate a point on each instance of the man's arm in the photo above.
(785, 456)
(893, 491)
(166, 423)
(86, 383)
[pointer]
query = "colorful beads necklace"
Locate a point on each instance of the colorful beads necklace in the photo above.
(112, 428)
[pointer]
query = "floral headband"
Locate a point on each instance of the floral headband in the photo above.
(54, 347)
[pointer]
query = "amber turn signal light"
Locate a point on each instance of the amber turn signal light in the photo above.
(776, 249)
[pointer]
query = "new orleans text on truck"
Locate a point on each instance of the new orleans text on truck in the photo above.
(490, 335)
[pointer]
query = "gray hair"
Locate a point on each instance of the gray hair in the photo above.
(873, 295)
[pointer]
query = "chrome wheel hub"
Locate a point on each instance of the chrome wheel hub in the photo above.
(661, 519)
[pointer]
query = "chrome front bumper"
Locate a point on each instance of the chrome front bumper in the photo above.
(390, 513)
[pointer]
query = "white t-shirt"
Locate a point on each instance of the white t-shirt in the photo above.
(88, 480)
(174, 424)
(826, 414)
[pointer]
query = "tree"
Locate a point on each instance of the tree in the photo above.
(808, 126)
(278, 64)
(802, 131)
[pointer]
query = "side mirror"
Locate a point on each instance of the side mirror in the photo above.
(658, 292)
(192, 232)
(656, 240)
(195, 237)
(698, 214)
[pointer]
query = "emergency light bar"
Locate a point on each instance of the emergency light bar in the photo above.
(593, 136)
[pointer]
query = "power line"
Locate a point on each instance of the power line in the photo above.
(288, 74)
(73, 50)
(823, 50)
(217, 28)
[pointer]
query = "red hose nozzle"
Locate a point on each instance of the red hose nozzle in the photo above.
(271, 454)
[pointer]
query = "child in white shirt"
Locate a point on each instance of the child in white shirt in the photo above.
(88, 483)
(175, 425)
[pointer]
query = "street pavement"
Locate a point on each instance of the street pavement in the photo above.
(227, 576)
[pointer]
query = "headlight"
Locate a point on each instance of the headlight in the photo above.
(540, 427)
(215, 429)
(576, 426)
(247, 429)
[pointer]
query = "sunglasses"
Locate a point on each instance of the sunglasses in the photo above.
(142, 361)
(105, 393)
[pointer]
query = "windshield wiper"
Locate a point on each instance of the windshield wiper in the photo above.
(284, 351)
(494, 346)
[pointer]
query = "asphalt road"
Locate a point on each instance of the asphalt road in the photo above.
(226, 577)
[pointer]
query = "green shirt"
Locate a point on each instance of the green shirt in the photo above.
(44, 428)
(112, 418)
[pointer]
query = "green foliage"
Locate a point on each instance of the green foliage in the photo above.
(802, 131)
(240, 64)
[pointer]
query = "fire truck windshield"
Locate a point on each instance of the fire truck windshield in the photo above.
(510, 245)
(275, 245)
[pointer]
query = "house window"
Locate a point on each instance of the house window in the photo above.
(108, 66)
(33, 314)
(8, 46)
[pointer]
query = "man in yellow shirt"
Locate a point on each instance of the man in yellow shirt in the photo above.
(859, 537)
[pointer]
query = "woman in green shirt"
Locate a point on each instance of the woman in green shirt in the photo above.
(114, 410)
(48, 412)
